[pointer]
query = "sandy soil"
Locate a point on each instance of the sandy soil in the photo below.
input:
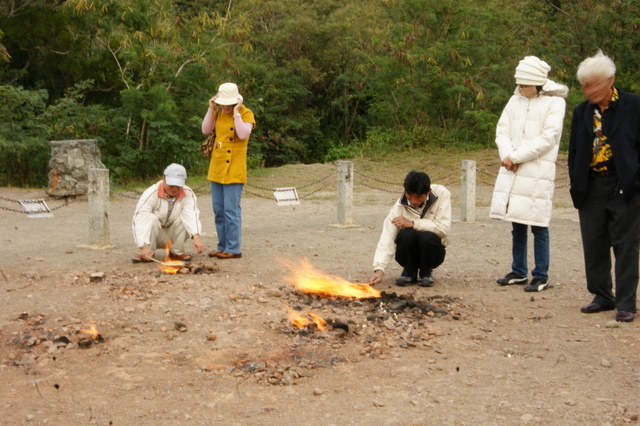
(217, 348)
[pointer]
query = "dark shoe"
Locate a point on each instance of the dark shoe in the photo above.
(214, 253)
(593, 308)
(426, 281)
(140, 259)
(225, 255)
(622, 316)
(537, 284)
(404, 281)
(512, 278)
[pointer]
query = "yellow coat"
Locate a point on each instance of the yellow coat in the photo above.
(229, 156)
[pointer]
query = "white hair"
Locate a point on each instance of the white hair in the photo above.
(598, 65)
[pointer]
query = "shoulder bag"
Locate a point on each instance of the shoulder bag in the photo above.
(207, 146)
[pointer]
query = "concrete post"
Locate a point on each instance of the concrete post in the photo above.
(345, 193)
(98, 192)
(468, 191)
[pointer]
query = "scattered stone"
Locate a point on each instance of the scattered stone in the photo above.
(97, 277)
(378, 404)
(318, 391)
(605, 363)
(212, 337)
(274, 293)
(612, 324)
(180, 326)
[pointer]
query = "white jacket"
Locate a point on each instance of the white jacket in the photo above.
(529, 132)
(437, 220)
(152, 207)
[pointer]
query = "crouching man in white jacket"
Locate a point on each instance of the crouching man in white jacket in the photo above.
(415, 232)
(167, 212)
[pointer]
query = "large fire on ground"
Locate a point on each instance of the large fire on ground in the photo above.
(306, 278)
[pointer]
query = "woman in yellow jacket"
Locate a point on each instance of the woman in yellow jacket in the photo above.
(233, 123)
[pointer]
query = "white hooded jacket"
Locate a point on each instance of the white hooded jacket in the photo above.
(529, 132)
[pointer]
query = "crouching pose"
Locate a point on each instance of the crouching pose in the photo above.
(167, 212)
(415, 232)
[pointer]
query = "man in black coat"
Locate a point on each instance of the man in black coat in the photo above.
(604, 169)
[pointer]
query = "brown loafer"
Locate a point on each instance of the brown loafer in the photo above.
(225, 255)
(214, 253)
(183, 257)
(623, 316)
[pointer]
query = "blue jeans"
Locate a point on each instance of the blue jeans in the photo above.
(540, 250)
(228, 215)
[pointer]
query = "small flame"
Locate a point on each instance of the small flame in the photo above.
(91, 331)
(170, 266)
(300, 321)
(308, 279)
(320, 322)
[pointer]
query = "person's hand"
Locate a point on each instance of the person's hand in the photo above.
(198, 245)
(212, 102)
(146, 253)
(509, 165)
(236, 109)
(376, 277)
(402, 222)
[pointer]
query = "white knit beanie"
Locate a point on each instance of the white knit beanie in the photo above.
(532, 71)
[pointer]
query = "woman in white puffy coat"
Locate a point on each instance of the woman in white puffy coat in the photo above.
(528, 137)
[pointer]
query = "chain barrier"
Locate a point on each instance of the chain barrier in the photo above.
(398, 191)
(374, 179)
(70, 199)
(300, 196)
(442, 181)
(125, 189)
(449, 179)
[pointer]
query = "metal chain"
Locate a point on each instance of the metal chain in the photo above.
(380, 189)
(298, 187)
(257, 195)
(375, 179)
(308, 194)
(67, 201)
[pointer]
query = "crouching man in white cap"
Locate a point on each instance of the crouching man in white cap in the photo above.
(167, 212)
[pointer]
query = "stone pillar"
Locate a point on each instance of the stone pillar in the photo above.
(99, 207)
(69, 166)
(468, 191)
(345, 192)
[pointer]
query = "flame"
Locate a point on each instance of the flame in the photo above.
(308, 279)
(320, 322)
(300, 321)
(170, 266)
(91, 331)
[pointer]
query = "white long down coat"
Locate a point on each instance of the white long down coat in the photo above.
(529, 132)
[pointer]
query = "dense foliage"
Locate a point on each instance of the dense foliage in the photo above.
(326, 79)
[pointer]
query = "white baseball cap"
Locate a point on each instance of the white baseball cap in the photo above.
(175, 175)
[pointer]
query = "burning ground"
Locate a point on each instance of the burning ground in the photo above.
(316, 321)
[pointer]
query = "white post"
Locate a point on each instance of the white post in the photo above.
(98, 191)
(345, 192)
(468, 191)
